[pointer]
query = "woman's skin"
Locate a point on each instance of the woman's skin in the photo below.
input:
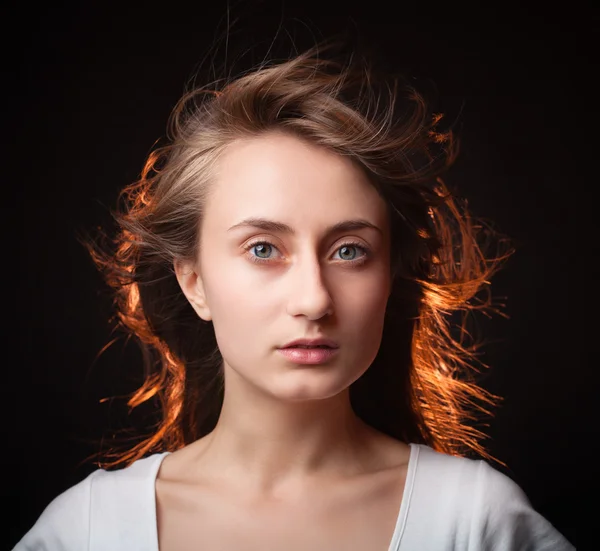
(289, 465)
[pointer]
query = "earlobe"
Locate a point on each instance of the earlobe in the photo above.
(192, 286)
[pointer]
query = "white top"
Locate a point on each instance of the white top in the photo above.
(449, 503)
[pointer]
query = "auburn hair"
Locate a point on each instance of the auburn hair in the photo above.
(422, 386)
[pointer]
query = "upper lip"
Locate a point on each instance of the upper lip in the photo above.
(311, 342)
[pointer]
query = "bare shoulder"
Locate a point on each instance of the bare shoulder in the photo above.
(183, 499)
(387, 452)
(176, 464)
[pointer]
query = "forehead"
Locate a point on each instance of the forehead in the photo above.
(280, 176)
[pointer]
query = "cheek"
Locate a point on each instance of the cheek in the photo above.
(237, 294)
(362, 309)
(369, 319)
(240, 308)
(367, 297)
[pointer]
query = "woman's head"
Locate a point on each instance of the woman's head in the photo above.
(308, 143)
(327, 274)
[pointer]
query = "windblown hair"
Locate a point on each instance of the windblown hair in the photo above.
(421, 387)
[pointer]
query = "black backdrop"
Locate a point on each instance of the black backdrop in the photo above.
(89, 91)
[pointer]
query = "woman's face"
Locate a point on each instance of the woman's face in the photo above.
(265, 285)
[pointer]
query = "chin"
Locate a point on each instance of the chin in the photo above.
(304, 386)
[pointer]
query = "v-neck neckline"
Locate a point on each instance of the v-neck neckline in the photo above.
(406, 497)
(402, 511)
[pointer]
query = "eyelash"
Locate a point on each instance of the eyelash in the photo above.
(356, 262)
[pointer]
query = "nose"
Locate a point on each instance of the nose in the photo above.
(308, 293)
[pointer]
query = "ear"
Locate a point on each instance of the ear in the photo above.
(190, 281)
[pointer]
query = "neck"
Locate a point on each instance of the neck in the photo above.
(269, 443)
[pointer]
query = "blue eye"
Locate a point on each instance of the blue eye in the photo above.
(261, 252)
(344, 250)
(262, 248)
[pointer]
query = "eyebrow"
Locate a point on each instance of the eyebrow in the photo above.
(280, 227)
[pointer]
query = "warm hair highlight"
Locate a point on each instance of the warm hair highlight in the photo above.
(425, 393)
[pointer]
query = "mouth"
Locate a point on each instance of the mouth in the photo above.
(309, 347)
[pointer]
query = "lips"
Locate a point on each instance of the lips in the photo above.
(319, 350)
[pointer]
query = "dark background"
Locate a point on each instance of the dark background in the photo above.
(89, 92)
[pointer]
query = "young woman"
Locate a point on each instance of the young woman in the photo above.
(289, 263)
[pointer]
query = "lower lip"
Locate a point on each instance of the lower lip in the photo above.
(308, 355)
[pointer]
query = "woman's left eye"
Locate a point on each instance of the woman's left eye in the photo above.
(350, 253)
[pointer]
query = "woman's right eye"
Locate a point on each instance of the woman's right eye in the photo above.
(260, 251)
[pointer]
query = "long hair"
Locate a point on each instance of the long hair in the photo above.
(422, 385)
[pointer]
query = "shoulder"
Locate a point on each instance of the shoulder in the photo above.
(64, 523)
(100, 502)
(481, 505)
(505, 518)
